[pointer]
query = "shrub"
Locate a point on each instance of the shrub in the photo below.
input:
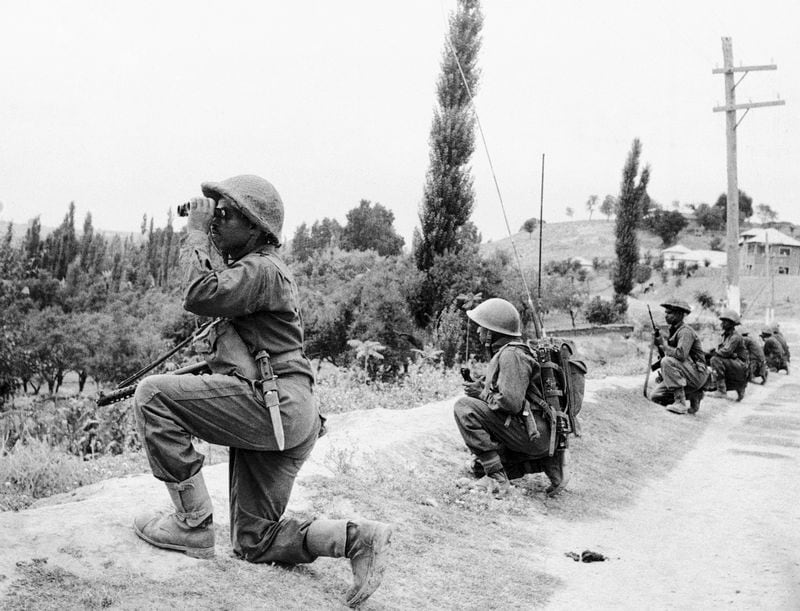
(601, 312)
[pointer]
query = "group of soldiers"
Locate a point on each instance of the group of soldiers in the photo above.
(686, 370)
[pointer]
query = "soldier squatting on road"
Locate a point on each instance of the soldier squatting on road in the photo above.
(504, 418)
(729, 369)
(683, 370)
(258, 400)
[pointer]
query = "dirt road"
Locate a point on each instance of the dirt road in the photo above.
(721, 531)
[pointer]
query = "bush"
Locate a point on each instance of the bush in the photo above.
(601, 312)
(34, 470)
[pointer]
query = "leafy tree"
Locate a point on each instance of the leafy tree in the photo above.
(629, 213)
(326, 233)
(367, 350)
(301, 243)
(449, 195)
(710, 218)
(716, 243)
(765, 213)
(563, 294)
(608, 206)
(530, 226)
(601, 312)
(745, 206)
(666, 224)
(591, 204)
(371, 228)
(61, 246)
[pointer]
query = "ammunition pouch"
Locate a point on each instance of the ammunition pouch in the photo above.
(225, 352)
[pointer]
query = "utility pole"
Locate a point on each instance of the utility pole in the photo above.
(730, 108)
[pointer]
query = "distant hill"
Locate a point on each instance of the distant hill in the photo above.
(587, 239)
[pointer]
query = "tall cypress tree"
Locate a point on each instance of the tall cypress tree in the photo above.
(449, 195)
(630, 204)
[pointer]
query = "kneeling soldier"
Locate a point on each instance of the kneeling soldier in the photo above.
(729, 361)
(683, 366)
(500, 417)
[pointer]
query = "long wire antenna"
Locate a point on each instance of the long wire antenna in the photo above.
(536, 322)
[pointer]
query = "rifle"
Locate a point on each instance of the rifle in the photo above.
(656, 335)
(127, 387)
(120, 394)
(651, 366)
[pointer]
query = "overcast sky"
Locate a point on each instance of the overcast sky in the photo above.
(125, 107)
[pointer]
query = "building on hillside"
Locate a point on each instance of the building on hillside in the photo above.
(672, 255)
(675, 255)
(783, 250)
(783, 226)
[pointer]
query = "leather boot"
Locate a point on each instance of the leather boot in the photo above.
(190, 529)
(678, 405)
(495, 483)
(367, 548)
(555, 468)
(722, 390)
(694, 402)
(740, 393)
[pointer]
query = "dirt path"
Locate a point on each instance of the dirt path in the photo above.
(721, 530)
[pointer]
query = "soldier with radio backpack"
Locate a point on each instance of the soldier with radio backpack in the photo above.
(515, 420)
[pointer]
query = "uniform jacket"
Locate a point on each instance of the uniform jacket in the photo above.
(256, 292)
(683, 344)
(732, 347)
(511, 378)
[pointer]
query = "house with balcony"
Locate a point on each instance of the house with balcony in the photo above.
(768, 249)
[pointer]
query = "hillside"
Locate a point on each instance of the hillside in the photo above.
(588, 239)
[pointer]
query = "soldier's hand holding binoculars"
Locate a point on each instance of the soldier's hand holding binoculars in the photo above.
(473, 389)
(201, 211)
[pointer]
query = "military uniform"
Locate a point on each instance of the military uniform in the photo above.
(756, 362)
(729, 363)
(257, 297)
(776, 333)
(682, 366)
(504, 420)
(774, 353)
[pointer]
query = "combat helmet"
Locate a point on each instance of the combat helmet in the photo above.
(677, 304)
(766, 332)
(497, 315)
(255, 197)
(730, 315)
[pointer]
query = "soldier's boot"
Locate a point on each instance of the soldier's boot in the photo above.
(557, 471)
(740, 393)
(495, 483)
(190, 529)
(694, 402)
(678, 405)
(364, 542)
(722, 390)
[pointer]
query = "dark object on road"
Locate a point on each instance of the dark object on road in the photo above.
(586, 556)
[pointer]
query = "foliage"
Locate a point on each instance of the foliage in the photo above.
(323, 235)
(642, 273)
(530, 225)
(608, 206)
(601, 312)
(631, 202)
(706, 300)
(710, 218)
(716, 243)
(745, 206)
(371, 228)
(452, 274)
(765, 213)
(591, 204)
(564, 294)
(449, 194)
(666, 224)
(449, 334)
